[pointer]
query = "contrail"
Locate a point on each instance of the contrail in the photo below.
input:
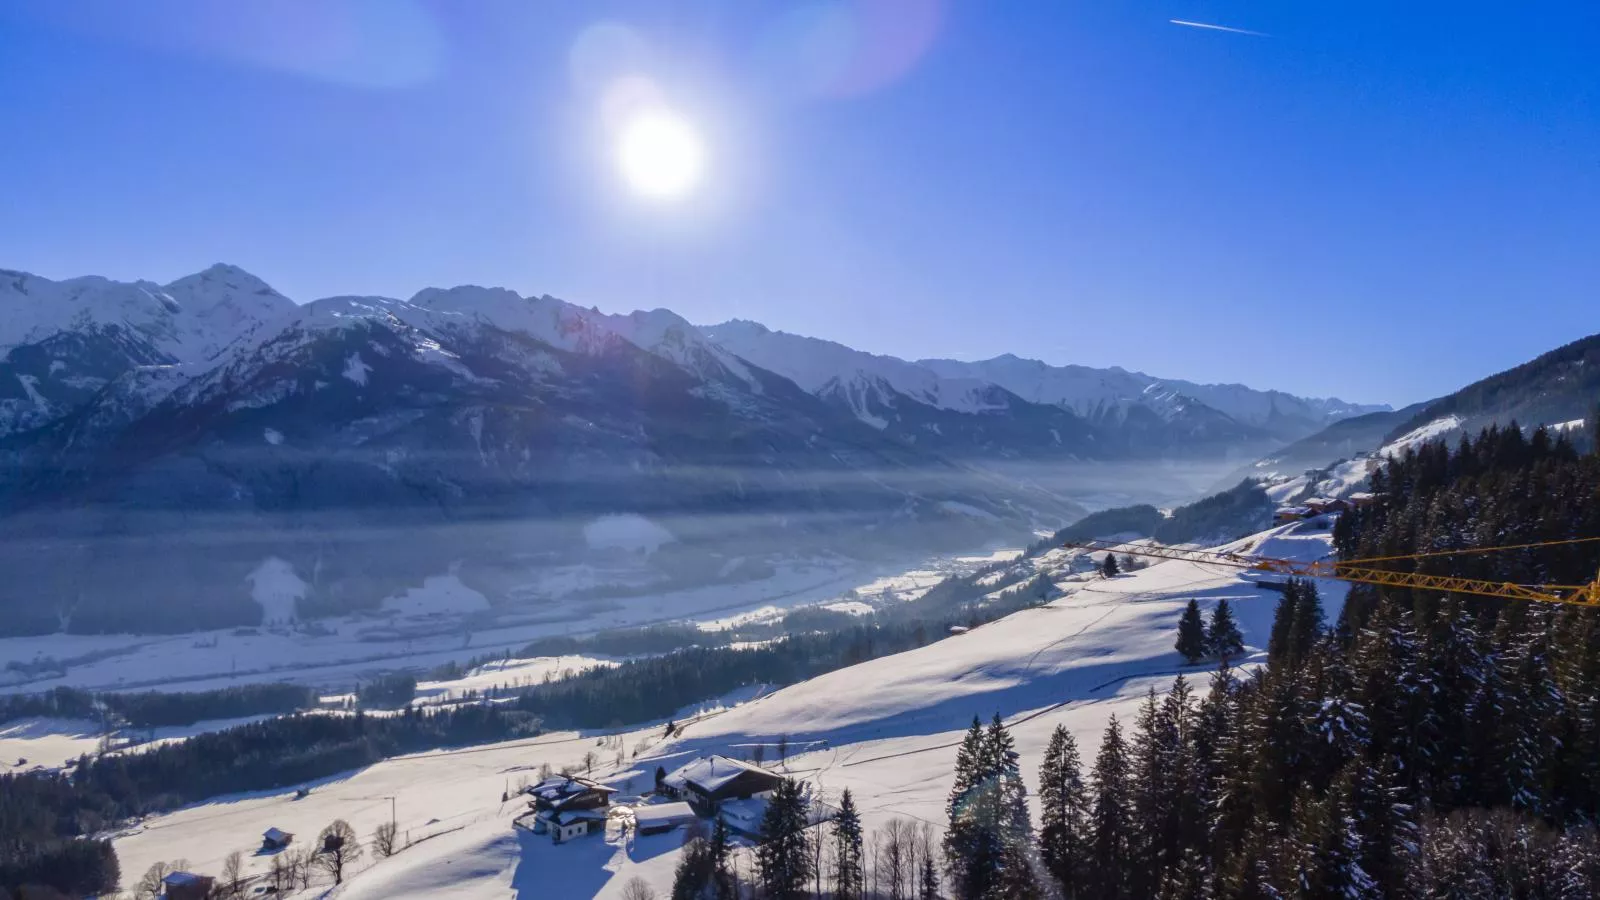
(1211, 27)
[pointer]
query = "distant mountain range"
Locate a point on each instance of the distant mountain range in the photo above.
(186, 455)
(1009, 406)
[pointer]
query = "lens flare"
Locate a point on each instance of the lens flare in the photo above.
(660, 154)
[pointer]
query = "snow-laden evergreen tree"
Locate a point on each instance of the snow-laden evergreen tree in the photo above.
(1111, 818)
(1191, 641)
(1331, 862)
(1337, 727)
(849, 880)
(1386, 825)
(1017, 878)
(1309, 622)
(1223, 639)
(972, 846)
(692, 879)
(1396, 694)
(1064, 832)
(1529, 718)
(1109, 567)
(1452, 656)
(784, 857)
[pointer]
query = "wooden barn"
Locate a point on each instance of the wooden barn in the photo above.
(710, 781)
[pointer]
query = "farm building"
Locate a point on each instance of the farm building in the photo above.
(566, 807)
(710, 781)
(658, 818)
(273, 840)
(186, 886)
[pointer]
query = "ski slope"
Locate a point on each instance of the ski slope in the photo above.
(886, 729)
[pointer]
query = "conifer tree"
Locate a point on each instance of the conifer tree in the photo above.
(1308, 621)
(784, 859)
(848, 875)
(724, 884)
(1223, 639)
(1191, 641)
(1280, 642)
(1109, 567)
(695, 868)
(1111, 818)
(930, 879)
(1064, 815)
(1330, 865)
(972, 847)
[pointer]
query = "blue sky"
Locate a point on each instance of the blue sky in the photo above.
(1361, 201)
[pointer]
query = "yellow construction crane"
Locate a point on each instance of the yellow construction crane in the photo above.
(1363, 571)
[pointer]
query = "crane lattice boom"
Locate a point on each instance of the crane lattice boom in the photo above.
(1361, 571)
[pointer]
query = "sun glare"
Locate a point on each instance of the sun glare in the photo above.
(660, 154)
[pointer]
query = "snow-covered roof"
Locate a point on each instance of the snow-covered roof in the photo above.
(659, 814)
(559, 787)
(710, 773)
(568, 816)
(273, 834)
(181, 878)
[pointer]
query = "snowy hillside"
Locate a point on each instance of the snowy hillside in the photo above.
(886, 729)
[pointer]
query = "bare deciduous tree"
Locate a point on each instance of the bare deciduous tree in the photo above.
(638, 889)
(589, 759)
(383, 840)
(228, 885)
(337, 847)
(149, 885)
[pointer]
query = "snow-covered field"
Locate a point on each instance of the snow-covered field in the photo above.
(425, 626)
(886, 729)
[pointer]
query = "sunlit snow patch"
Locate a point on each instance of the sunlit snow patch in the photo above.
(439, 595)
(275, 586)
(627, 531)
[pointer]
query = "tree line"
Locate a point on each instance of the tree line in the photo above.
(156, 709)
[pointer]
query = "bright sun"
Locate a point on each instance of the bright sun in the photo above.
(660, 154)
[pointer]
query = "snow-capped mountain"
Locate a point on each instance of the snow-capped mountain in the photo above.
(366, 443)
(62, 341)
(1113, 413)
(1094, 393)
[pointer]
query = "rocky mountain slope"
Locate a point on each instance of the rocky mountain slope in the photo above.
(354, 446)
(1014, 407)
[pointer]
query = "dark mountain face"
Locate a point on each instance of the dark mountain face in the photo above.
(1560, 386)
(367, 446)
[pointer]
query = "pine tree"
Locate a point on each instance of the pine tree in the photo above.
(972, 848)
(724, 884)
(695, 868)
(1223, 639)
(1012, 826)
(848, 876)
(930, 879)
(1064, 815)
(1191, 641)
(1308, 621)
(1109, 568)
(1158, 778)
(1280, 643)
(1111, 818)
(784, 858)
(1330, 865)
